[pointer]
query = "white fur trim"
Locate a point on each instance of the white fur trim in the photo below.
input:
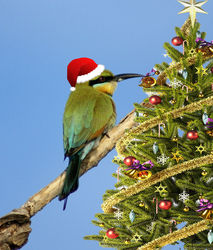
(72, 89)
(97, 71)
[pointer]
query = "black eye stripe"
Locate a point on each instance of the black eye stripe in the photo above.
(101, 79)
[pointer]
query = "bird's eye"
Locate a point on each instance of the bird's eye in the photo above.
(101, 79)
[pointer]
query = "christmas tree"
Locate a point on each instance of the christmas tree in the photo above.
(165, 164)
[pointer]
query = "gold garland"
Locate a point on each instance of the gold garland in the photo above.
(120, 146)
(158, 177)
(177, 235)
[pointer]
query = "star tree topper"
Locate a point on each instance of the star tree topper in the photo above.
(192, 7)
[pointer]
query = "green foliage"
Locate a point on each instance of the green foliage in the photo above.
(152, 222)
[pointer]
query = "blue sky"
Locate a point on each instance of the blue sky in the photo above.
(38, 39)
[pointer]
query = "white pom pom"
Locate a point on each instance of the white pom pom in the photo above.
(72, 89)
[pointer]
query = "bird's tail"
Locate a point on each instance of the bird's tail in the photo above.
(71, 178)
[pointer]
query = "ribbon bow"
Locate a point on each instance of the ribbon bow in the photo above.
(136, 165)
(203, 42)
(209, 123)
(204, 204)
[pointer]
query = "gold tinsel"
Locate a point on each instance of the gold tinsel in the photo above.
(120, 146)
(177, 235)
(108, 204)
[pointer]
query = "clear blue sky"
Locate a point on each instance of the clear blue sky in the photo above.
(38, 39)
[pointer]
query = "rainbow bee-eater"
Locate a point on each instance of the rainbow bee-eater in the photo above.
(89, 114)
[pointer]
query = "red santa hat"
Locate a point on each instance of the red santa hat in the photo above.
(81, 70)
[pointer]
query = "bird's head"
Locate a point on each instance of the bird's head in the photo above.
(84, 71)
(107, 82)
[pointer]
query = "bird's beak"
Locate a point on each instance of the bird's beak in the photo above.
(121, 77)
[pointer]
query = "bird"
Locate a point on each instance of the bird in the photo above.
(89, 114)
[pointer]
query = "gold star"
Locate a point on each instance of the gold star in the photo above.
(192, 52)
(201, 70)
(161, 189)
(200, 148)
(177, 156)
(192, 7)
(105, 238)
(136, 237)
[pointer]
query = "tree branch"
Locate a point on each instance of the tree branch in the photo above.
(15, 226)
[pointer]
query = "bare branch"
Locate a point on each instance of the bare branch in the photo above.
(15, 226)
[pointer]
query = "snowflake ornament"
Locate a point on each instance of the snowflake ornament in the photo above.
(176, 83)
(150, 227)
(162, 159)
(118, 214)
(136, 237)
(183, 196)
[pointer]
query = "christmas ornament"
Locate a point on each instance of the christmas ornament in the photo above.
(174, 138)
(127, 241)
(184, 73)
(198, 34)
(200, 148)
(192, 8)
(186, 209)
(162, 159)
(132, 216)
(206, 209)
(138, 175)
(136, 237)
(210, 133)
(129, 160)
(157, 72)
(110, 233)
(205, 118)
(177, 156)
(136, 165)
(155, 99)
(201, 95)
(155, 148)
(211, 69)
(141, 204)
(176, 83)
(184, 196)
(161, 189)
(145, 114)
(118, 214)
(173, 101)
(203, 43)
(201, 70)
(148, 82)
(206, 50)
(101, 225)
(177, 41)
(165, 204)
(209, 123)
(192, 135)
(204, 173)
(210, 236)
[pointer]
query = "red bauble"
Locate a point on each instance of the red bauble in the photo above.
(177, 41)
(129, 160)
(211, 69)
(165, 204)
(110, 233)
(192, 135)
(155, 99)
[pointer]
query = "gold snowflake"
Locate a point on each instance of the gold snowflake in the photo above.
(200, 148)
(201, 70)
(136, 237)
(161, 189)
(177, 156)
(192, 52)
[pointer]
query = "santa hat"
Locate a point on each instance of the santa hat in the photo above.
(81, 70)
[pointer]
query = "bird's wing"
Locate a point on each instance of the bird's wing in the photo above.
(88, 113)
